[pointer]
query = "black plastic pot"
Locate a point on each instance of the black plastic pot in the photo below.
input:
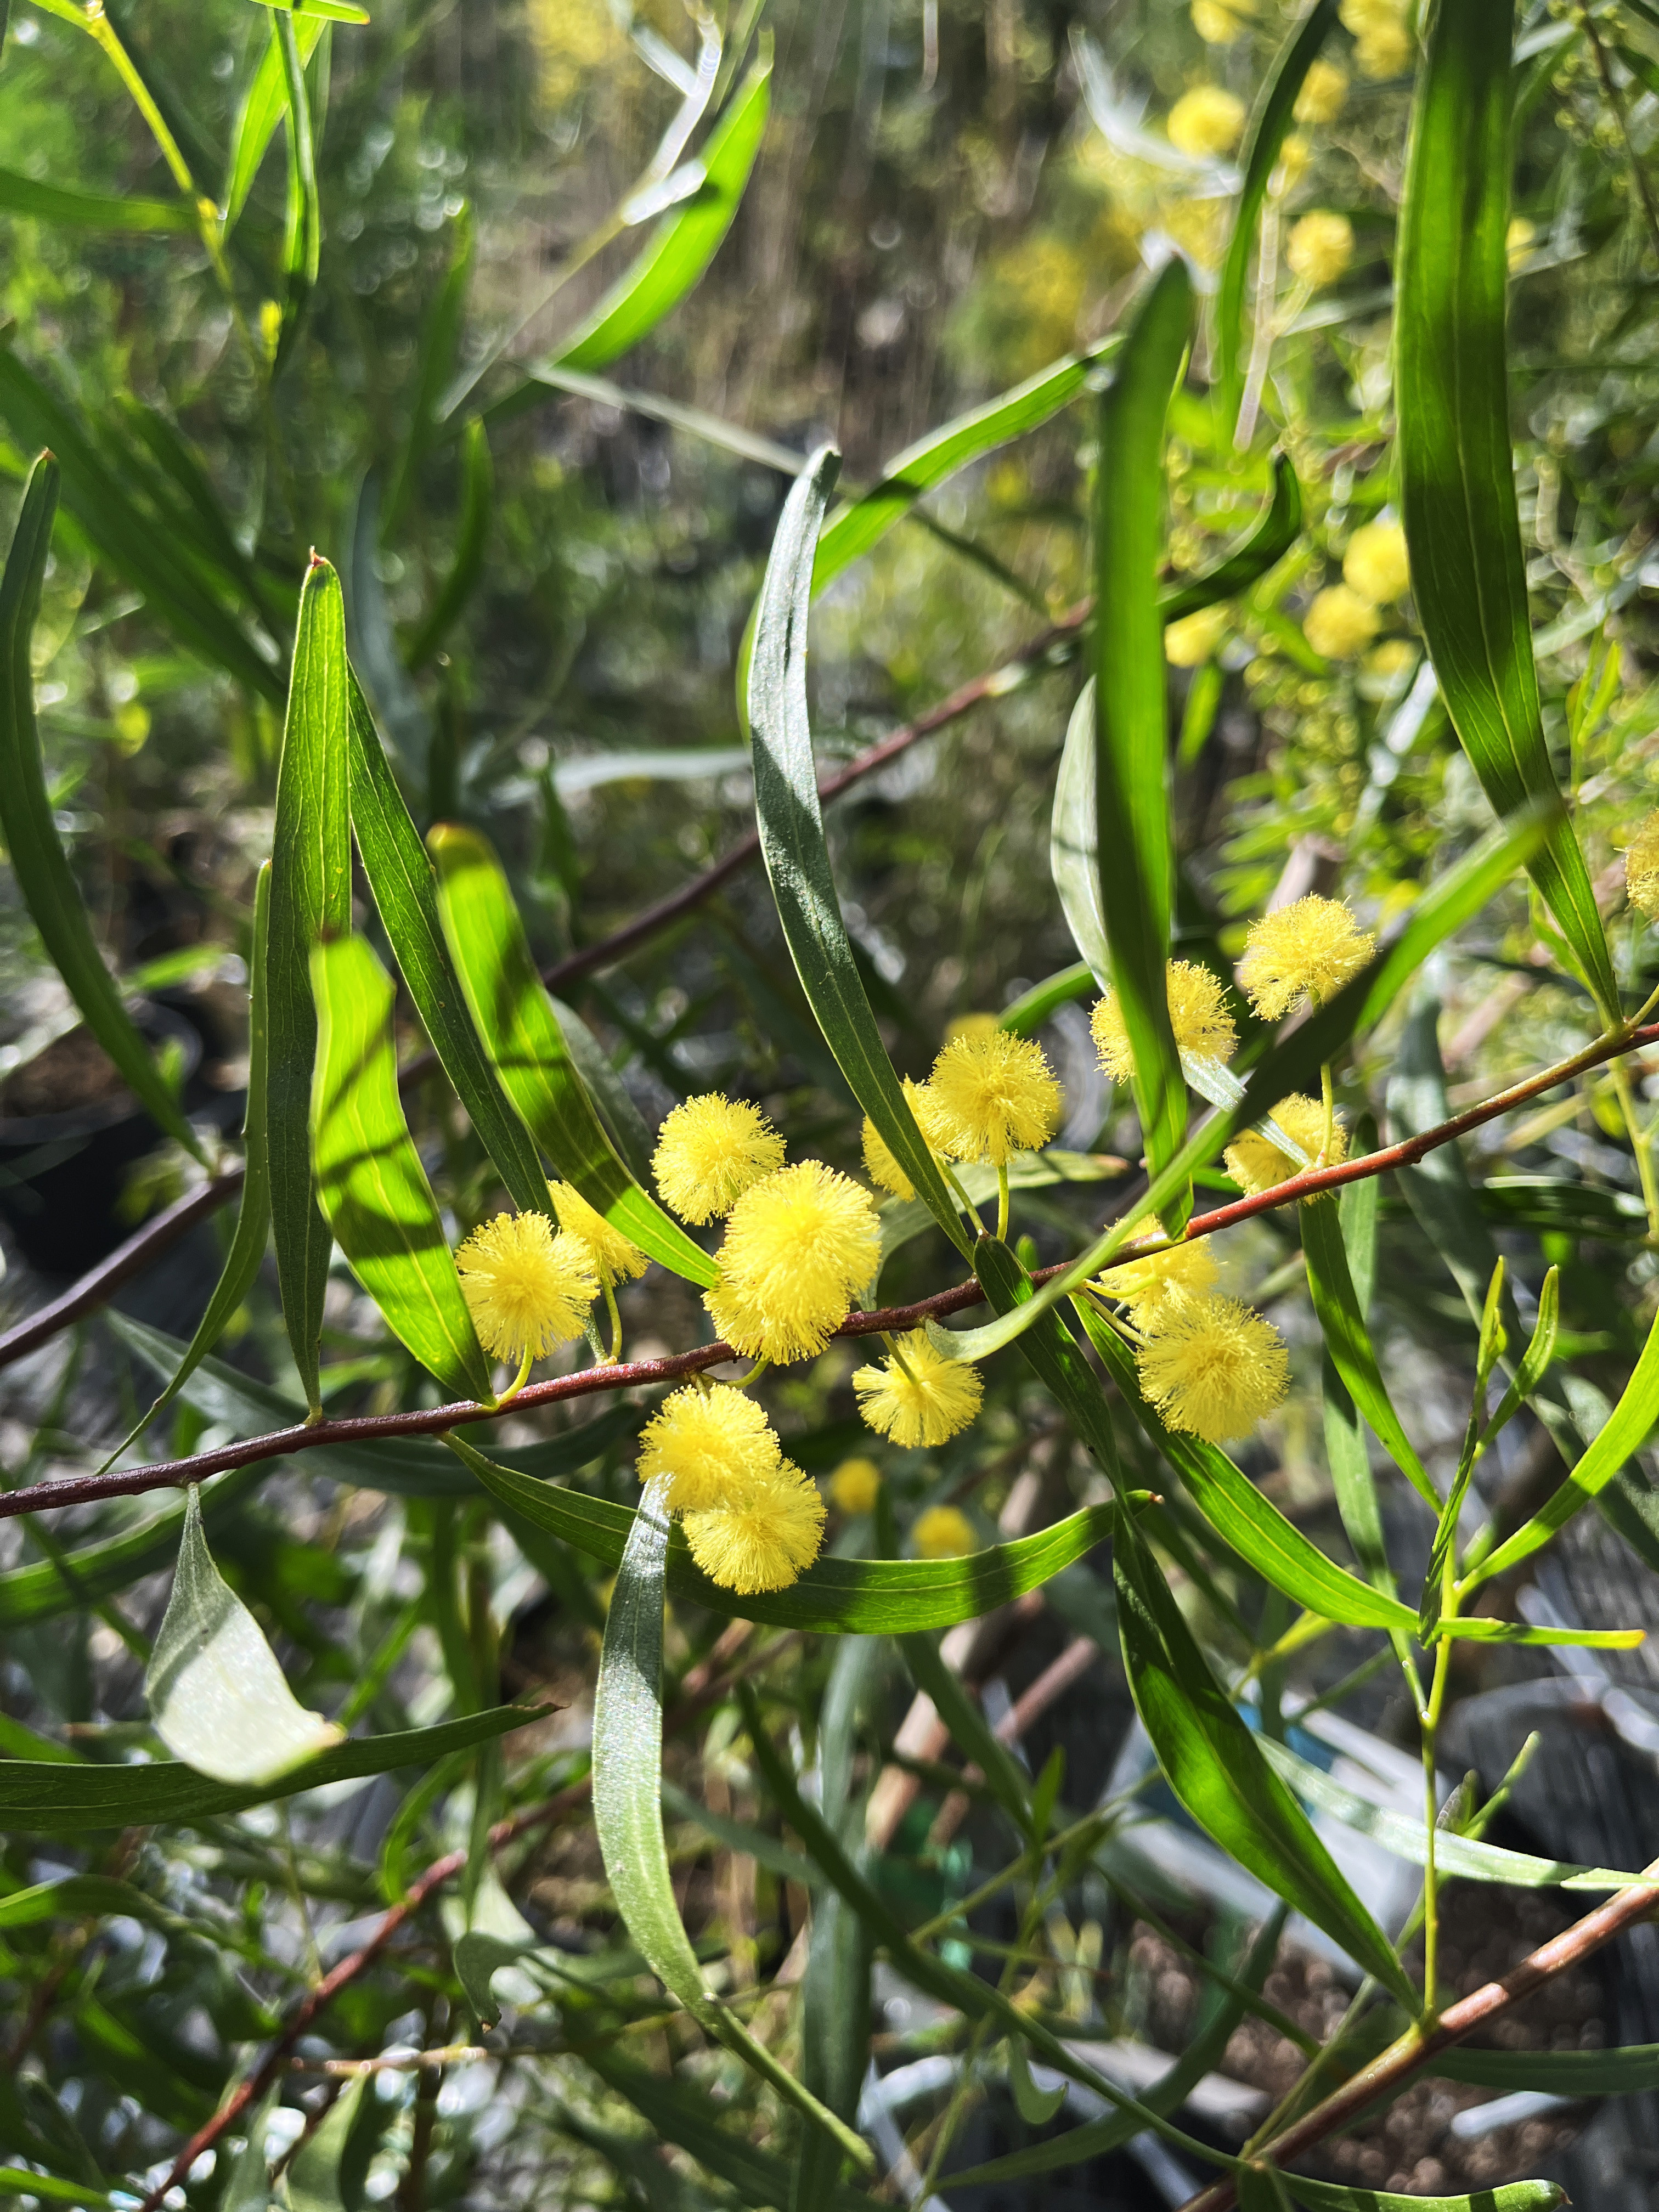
(62, 1175)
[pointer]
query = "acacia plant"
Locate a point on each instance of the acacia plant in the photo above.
(225, 1988)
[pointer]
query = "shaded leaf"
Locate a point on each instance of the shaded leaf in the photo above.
(61, 1800)
(74, 210)
(36, 853)
(1348, 1339)
(1216, 1768)
(864, 1597)
(1456, 465)
(471, 533)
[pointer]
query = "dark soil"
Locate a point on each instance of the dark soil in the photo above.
(73, 1071)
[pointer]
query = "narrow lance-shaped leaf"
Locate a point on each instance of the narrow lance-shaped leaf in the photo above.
(1513, 2196)
(520, 1031)
(302, 238)
(310, 899)
(1348, 1340)
(43, 1796)
(1268, 127)
(217, 1696)
(1291, 1065)
(74, 210)
(1249, 1523)
(1131, 740)
(370, 1181)
(791, 824)
(836, 1596)
(405, 890)
(680, 250)
(38, 858)
(628, 1803)
(1216, 1768)
(1345, 1450)
(1456, 465)
(260, 112)
(252, 1230)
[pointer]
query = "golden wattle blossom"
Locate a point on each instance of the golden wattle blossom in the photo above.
(1256, 1163)
(993, 1095)
(1309, 948)
(1198, 1015)
(765, 1538)
(710, 1151)
(526, 1289)
(918, 1396)
(1213, 1368)
(798, 1246)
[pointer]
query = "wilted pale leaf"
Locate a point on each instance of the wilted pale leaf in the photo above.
(217, 1697)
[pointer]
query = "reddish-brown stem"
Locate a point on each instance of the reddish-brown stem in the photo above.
(1418, 2048)
(162, 1474)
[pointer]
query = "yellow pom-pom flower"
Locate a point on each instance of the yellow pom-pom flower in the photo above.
(919, 1396)
(1150, 1283)
(1218, 25)
(1384, 50)
(526, 1289)
(1518, 242)
(1309, 948)
(1319, 248)
(1198, 1015)
(710, 1151)
(1256, 1163)
(1294, 155)
(855, 1485)
(1324, 89)
(943, 1533)
(763, 1540)
(1195, 638)
(615, 1259)
(993, 1095)
(1340, 623)
(1213, 1367)
(970, 1025)
(1205, 121)
(1642, 868)
(710, 1445)
(797, 1247)
(879, 1164)
(1375, 564)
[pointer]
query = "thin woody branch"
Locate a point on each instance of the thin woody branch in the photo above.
(96, 1287)
(1418, 2049)
(644, 1373)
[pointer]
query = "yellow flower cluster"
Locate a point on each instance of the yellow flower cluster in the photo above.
(709, 1151)
(1155, 1282)
(1213, 1367)
(614, 1259)
(992, 1095)
(1205, 121)
(799, 1245)
(917, 1396)
(879, 1164)
(1309, 948)
(1324, 89)
(855, 1485)
(1339, 623)
(1198, 1015)
(944, 1532)
(1319, 248)
(1382, 37)
(526, 1289)
(1642, 868)
(1256, 1163)
(1375, 564)
(1195, 638)
(1219, 23)
(752, 1519)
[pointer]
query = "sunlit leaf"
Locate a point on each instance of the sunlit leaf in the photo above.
(1348, 1342)
(1136, 883)
(310, 899)
(370, 1182)
(791, 824)
(74, 210)
(259, 113)
(1512, 2197)
(521, 1034)
(217, 1697)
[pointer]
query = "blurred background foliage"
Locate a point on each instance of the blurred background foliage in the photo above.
(948, 197)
